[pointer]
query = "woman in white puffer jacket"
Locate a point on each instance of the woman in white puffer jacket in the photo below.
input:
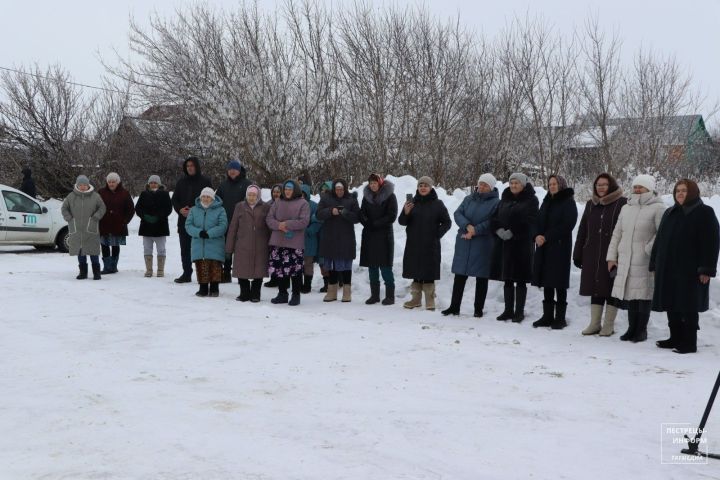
(629, 253)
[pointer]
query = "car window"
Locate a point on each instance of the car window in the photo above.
(16, 202)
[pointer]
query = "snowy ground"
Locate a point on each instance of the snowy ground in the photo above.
(135, 378)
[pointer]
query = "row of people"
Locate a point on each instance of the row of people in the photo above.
(511, 238)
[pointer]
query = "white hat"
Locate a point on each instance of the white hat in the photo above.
(113, 177)
(646, 181)
(208, 192)
(488, 179)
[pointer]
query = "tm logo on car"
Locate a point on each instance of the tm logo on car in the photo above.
(29, 219)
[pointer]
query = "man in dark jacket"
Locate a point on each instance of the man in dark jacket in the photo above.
(232, 191)
(187, 189)
(28, 184)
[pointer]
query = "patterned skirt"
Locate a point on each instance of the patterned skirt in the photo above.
(285, 262)
(208, 271)
(112, 240)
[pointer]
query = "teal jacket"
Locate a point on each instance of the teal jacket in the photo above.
(214, 221)
(312, 240)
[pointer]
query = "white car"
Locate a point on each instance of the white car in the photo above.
(28, 221)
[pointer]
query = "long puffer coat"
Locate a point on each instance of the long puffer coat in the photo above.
(686, 246)
(247, 238)
(592, 242)
(513, 259)
(83, 211)
(556, 221)
(473, 257)
(214, 221)
(631, 246)
(378, 213)
(426, 224)
(338, 238)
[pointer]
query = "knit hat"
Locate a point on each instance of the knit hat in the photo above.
(113, 177)
(82, 180)
(289, 184)
(646, 181)
(520, 177)
(208, 192)
(234, 165)
(427, 180)
(488, 179)
(376, 177)
(154, 179)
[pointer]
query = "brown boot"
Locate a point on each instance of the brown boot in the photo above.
(429, 290)
(415, 296)
(148, 265)
(347, 293)
(161, 266)
(331, 294)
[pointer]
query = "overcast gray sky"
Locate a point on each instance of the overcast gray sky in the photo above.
(75, 32)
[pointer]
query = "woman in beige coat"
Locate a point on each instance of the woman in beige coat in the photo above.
(247, 239)
(628, 256)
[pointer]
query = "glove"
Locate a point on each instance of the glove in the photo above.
(150, 218)
(204, 234)
(500, 232)
(508, 235)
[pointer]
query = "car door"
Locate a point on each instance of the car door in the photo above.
(3, 219)
(25, 220)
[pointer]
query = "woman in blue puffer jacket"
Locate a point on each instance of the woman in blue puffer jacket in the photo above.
(206, 224)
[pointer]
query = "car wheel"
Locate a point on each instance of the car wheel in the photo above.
(62, 240)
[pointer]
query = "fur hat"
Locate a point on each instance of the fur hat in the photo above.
(520, 177)
(208, 192)
(113, 177)
(647, 181)
(427, 180)
(488, 179)
(154, 179)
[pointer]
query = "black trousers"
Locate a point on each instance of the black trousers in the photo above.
(552, 293)
(185, 243)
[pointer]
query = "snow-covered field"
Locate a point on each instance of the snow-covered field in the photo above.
(136, 378)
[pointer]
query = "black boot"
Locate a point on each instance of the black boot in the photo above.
(389, 295)
(227, 271)
(632, 325)
(456, 297)
(96, 271)
(559, 321)
(83, 271)
(325, 284)
(184, 278)
(640, 335)
(214, 289)
(272, 283)
(296, 288)
(548, 314)
(374, 294)
(509, 294)
(520, 296)
(244, 290)
(115, 259)
(107, 265)
(307, 284)
(282, 296)
(203, 290)
(481, 285)
(687, 343)
(255, 288)
(675, 326)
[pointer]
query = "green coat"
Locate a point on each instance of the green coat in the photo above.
(83, 211)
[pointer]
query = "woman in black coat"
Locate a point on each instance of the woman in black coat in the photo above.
(378, 212)
(553, 240)
(154, 207)
(514, 223)
(684, 258)
(339, 210)
(591, 246)
(427, 220)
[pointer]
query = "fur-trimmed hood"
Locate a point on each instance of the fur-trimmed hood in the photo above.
(387, 189)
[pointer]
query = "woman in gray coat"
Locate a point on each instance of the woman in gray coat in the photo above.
(82, 210)
(247, 238)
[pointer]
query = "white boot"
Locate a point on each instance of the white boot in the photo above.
(595, 320)
(608, 327)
